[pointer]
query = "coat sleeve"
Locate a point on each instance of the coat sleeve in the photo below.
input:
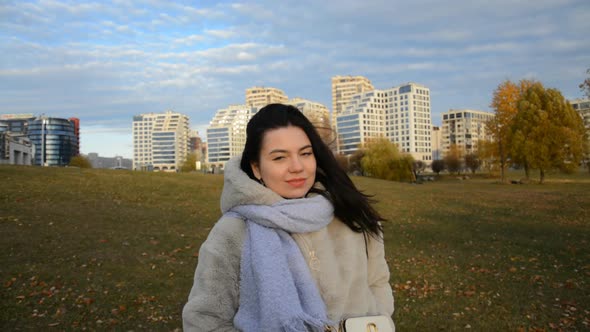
(214, 297)
(378, 276)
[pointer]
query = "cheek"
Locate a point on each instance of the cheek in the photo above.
(269, 172)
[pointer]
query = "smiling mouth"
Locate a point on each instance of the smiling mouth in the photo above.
(296, 182)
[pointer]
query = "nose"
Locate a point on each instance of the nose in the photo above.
(295, 166)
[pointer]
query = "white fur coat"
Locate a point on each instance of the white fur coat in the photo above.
(350, 283)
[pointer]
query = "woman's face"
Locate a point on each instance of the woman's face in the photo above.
(287, 164)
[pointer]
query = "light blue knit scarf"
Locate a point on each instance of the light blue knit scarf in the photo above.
(277, 292)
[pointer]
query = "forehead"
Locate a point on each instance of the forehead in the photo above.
(285, 138)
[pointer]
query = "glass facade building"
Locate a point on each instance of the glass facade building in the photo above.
(349, 133)
(218, 144)
(164, 147)
(54, 139)
(226, 134)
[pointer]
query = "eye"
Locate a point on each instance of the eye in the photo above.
(307, 153)
(278, 158)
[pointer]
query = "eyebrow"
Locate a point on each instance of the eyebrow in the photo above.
(285, 151)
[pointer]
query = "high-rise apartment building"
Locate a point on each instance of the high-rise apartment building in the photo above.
(226, 134)
(464, 128)
(401, 114)
(259, 97)
(160, 141)
(582, 106)
(361, 121)
(436, 140)
(318, 114)
(344, 87)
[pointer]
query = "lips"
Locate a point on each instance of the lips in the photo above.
(297, 182)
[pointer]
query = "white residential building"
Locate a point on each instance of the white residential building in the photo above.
(344, 88)
(259, 96)
(582, 106)
(318, 114)
(226, 134)
(436, 140)
(362, 120)
(401, 114)
(464, 128)
(160, 141)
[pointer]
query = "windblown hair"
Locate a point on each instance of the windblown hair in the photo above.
(350, 205)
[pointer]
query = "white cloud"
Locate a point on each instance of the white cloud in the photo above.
(109, 60)
(189, 40)
(224, 34)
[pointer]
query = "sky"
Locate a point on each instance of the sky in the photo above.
(105, 61)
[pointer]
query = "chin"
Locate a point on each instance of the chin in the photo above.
(293, 194)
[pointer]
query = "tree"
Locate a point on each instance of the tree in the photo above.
(355, 162)
(586, 160)
(547, 132)
(438, 166)
(505, 105)
(377, 157)
(453, 159)
(403, 168)
(80, 161)
(486, 151)
(472, 162)
(418, 167)
(383, 160)
(585, 86)
(190, 164)
(342, 161)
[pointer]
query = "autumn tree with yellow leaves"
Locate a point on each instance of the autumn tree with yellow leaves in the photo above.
(505, 105)
(454, 159)
(547, 133)
(190, 164)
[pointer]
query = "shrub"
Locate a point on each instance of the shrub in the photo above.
(80, 161)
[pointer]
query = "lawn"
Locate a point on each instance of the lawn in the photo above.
(113, 249)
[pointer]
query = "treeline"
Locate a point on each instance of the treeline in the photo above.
(535, 128)
(382, 159)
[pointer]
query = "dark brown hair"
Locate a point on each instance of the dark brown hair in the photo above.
(350, 205)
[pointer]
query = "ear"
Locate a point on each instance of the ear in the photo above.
(256, 170)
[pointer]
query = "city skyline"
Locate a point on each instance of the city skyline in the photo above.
(104, 62)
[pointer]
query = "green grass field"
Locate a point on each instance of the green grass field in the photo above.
(105, 249)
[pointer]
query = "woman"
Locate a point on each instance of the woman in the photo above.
(298, 247)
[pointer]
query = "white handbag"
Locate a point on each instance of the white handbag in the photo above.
(365, 324)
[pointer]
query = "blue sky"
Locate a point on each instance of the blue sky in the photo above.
(105, 61)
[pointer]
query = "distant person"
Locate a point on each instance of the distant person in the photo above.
(298, 247)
